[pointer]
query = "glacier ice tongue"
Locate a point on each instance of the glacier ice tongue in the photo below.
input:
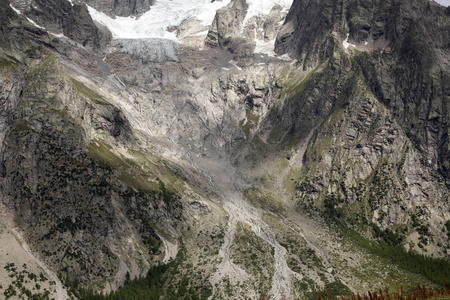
(149, 50)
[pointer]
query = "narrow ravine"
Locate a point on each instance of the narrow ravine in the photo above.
(239, 210)
(170, 249)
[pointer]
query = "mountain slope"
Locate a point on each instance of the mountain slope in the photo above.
(228, 173)
(380, 127)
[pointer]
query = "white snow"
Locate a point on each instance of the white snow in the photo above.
(15, 9)
(443, 2)
(159, 21)
(265, 47)
(285, 57)
(161, 16)
(34, 23)
(234, 63)
(59, 35)
(29, 20)
(168, 13)
(263, 7)
(346, 43)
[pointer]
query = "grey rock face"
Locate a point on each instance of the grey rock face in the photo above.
(403, 55)
(270, 23)
(123, 8)
(82, 225)
(15, 32)
(312, 26)
(368, 148)
(74, 21)
(227, 24)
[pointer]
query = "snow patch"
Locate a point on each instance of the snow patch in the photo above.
(59, 35)
(346, 43)
(29, 20)
(234, 63)
(36, 25)
(263, 7)
(15, 9)
(285, 57)
(265, 47)
(260, 8)
(164, 15)
(445, 3)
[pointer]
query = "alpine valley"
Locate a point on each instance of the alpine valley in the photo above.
(223, 149)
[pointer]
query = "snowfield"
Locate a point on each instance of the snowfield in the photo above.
(164, 14)
(443, 2)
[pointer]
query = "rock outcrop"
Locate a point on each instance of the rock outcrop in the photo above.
(405, 58)
(373, 110)
(123, 8)
(84, 208)
(15, 32)
(227, 24)
(71, 19)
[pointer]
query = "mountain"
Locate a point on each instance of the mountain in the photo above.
(387, 100)
(226, 150)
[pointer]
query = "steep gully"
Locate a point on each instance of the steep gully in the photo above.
(225, 181)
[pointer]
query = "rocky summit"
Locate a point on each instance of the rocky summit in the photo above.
(243, 149)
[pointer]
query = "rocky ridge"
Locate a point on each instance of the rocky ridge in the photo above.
(385, 62)
(123, 8)
(69, 19)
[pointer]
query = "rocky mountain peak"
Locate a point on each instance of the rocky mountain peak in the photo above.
(312, 27)
(227, 24)
(70, 19)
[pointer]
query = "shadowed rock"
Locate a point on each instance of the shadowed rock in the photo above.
(123, 8)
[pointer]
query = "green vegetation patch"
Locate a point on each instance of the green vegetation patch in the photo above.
(250, 123)
(25, 284)
(21, 125)
(436, 270)
(129, 171)
(160, 282)
(8, 62)
(254, 255)
(334, 289)
(263, 200)
(293, 81)
(93, 96)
